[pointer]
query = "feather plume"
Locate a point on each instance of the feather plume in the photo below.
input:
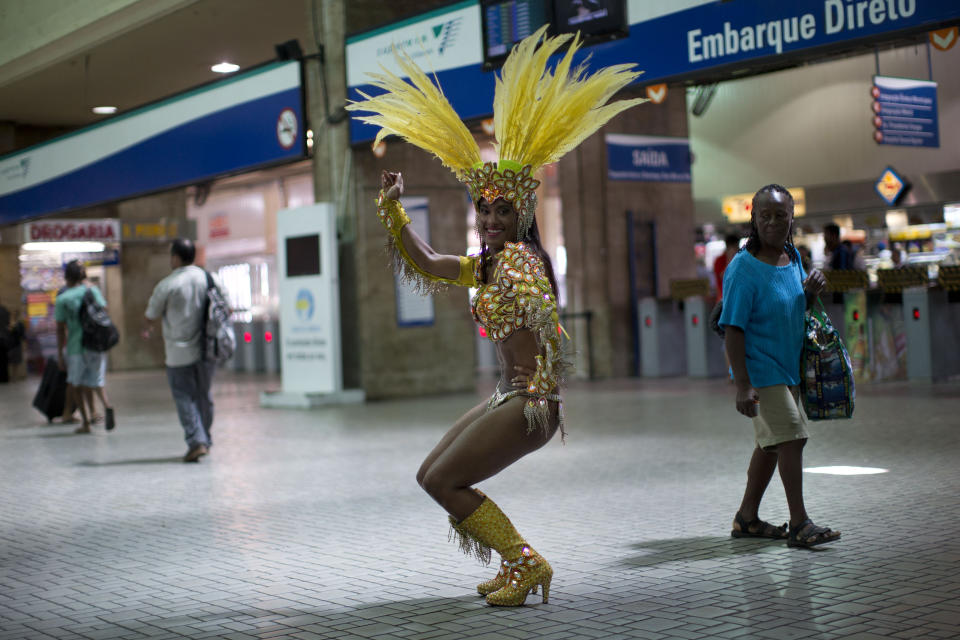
(540, 115)
(417, 111)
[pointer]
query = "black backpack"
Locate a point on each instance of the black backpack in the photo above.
(99, 333)
(219, 339)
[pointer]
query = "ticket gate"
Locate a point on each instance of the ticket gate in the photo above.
(704, 347)
(663, 347)
(270, 336)
(249, 355)
(932, 327)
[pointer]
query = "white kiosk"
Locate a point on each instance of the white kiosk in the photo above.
(311, 362)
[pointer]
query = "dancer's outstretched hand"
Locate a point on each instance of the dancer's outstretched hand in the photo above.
(392, 185)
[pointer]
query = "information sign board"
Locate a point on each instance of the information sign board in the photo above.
(647, 158)
(905, 112)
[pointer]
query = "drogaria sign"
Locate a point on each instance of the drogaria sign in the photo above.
(107, 230)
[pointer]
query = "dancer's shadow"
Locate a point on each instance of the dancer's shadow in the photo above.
(131, 462)
(656, 552)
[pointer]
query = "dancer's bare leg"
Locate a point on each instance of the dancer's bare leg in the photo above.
(490, 443)
(451, 435)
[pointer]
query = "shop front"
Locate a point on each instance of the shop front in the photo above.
(115, 194)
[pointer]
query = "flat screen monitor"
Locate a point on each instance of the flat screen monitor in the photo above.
(506, 22)
(596, 20)
(303, 255)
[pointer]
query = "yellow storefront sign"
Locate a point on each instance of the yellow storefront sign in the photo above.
(736, 208)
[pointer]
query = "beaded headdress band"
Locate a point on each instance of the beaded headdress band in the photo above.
(538, 114)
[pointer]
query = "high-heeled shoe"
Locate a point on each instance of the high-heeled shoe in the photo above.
(522, 568)
(498, 581)
(526, 573)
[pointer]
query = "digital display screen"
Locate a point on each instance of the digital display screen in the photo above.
(506, 22)
(594, 19)
(303, 255)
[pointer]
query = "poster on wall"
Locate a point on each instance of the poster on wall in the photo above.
(414, 309)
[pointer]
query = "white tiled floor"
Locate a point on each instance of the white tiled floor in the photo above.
(310, 524)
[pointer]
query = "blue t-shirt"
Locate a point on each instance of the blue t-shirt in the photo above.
(768, 304)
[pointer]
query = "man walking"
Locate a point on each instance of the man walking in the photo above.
(86, 369)
(180, 300)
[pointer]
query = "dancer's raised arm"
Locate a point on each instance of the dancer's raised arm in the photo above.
(417, 259)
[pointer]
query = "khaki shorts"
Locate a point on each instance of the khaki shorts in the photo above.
(780, 417)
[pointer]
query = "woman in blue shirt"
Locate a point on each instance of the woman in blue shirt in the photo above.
(765, 291)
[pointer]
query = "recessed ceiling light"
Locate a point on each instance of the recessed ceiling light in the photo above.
(225, 67)
(104, 110)
(846, 471)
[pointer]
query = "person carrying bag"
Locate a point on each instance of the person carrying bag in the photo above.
(826, 377)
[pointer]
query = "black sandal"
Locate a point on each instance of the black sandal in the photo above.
(812, 535)
(757, 529)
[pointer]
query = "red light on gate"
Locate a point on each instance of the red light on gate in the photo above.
(648, 321)
(268, 336)
(916, 313)
(856, 314)
(248, 337)
(695, 319)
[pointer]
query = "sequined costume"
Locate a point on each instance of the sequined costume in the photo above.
(539, 114)
(518, 296)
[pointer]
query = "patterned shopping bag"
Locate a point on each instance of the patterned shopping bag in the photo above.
(826, 377)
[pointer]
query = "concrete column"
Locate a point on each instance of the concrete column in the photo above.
(142, 265)
(594, 229)
(326, 86)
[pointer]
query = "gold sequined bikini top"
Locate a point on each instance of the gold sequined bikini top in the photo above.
(519, 294)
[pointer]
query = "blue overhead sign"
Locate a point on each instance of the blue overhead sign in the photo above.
(647, 158)
(905, 112)
(701, 38)
(250, 120)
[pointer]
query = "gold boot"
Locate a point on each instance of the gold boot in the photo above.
(498, 581)
(522, 568)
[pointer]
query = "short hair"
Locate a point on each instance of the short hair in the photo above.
(184, 249)
(74, 271)
(732, 240)
(832, 228)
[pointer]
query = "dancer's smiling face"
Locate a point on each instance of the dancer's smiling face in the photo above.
(497, 222)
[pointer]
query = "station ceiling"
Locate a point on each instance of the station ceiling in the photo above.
(174, 53)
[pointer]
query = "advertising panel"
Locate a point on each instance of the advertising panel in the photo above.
(669, 41)
(414, 309)
(250, 120)
(310, 348)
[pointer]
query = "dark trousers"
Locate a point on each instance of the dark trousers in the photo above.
(190, 386)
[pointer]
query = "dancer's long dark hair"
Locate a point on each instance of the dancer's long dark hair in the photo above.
(753, 240)
(532, 240)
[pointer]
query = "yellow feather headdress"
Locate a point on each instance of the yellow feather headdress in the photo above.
(539, 115)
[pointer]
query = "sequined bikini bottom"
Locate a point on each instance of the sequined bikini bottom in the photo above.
(536, 410)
